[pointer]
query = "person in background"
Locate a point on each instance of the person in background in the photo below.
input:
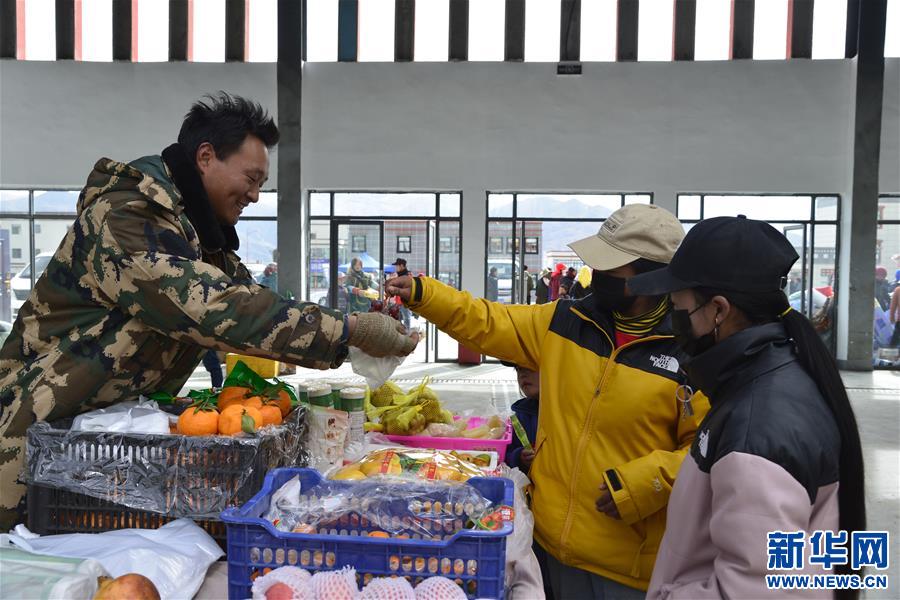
(361, 289)
(269, 277)
(400, 265)
(542, 288)
(613, 428)
(214, 368)
(493, 285)
(402, 271)
(529, 284)
(567, 283)
(582, 285)
(883, 288)
(895, 315)
(526, 410)
(555, 280)
(779, 449)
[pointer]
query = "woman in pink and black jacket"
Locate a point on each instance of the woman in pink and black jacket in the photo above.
(779, 449)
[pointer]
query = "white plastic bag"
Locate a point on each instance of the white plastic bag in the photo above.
(523, 573)
(134, 416)
(27, 575)
(375, 370)
(174, 557)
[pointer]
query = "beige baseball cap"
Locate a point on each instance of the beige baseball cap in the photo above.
(632, 232)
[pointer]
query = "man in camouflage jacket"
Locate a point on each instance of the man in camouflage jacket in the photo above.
(147, 279)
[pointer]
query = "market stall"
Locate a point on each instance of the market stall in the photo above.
(308, 489)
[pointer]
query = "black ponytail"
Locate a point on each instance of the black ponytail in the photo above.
(822, 368)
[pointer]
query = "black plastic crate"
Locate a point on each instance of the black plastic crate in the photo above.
(168, 476)
(52, 511)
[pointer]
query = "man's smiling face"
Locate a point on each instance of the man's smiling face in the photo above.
(233, 183)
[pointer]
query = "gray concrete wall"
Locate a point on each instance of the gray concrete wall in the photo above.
(745, 126)
(58, 118)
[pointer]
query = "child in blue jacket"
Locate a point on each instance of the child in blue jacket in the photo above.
(526, 410)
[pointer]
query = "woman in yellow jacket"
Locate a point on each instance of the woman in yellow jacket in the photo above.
(614, 423)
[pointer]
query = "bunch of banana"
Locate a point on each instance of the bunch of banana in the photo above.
(397, 413)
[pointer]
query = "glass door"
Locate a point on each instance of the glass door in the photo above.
(356, 271)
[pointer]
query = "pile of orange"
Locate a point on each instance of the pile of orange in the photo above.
(237, 409)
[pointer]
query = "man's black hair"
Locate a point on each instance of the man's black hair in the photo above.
(225, 121)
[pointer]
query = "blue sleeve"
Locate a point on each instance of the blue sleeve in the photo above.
(512, 456)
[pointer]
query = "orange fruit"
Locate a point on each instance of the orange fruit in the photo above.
(271, 414)
(378, 534)
(232, 395)
(283, 402)
(197, 420)
(231, 419)
(254, 401)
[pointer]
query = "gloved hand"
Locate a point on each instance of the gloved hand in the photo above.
(379, 335)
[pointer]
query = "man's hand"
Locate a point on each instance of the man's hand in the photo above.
(605, 503)
(401, 286)
(526, 457)
(379, 335)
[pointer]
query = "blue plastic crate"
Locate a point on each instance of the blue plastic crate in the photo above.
(476, 560)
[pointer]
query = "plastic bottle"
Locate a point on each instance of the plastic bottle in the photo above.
(353, 402)
(336, 386)
(302, 395)
(319, 394)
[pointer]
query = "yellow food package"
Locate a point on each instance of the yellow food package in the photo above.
(263, 367)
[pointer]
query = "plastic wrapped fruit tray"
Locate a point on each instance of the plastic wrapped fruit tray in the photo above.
(474, 559)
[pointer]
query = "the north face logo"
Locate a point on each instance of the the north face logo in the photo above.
(666, 363)
(704, 442)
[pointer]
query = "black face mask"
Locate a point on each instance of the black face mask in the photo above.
(609, 293)
(684, 334)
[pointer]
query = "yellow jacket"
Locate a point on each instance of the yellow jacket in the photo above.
(607, 414)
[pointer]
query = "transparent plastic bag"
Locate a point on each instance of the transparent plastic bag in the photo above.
(379, 507)
(377, 370)
(412, 463)
(29, 575)
(174, 557)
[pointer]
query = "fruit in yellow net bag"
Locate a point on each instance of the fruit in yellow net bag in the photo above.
(131, 586)
(404, 421)
(384, 396)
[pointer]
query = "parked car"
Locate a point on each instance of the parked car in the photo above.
(20, 284)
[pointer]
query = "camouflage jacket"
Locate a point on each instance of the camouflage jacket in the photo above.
(131, 300)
